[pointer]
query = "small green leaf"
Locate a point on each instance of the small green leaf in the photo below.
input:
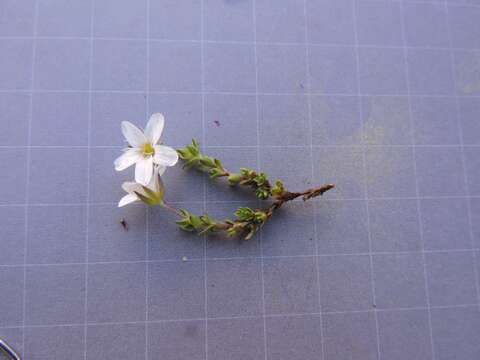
(196, 222)
(252, 232)
(190, 163)
(231, 232)
(185, 225)
(260, 217)
(195, 143)
(244, 214)
(245, 172)
(262, 194)
(215, 173)
(207, 220)
(218, 163)
(207, 162)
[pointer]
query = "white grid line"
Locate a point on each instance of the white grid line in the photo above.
(27, 175)
(147, 210)
(339, 146)
(419, 211)
(235, 93)
(364, 163)
(413, 252)
(446, 197)
(87, 207)
(204, 178)
(462, 151)
(260, 233)
(314, 205)
(235, 42)
(385, 310)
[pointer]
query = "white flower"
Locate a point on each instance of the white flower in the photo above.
(144, 150)
(152, 194)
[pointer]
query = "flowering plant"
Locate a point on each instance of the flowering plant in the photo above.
(151, 160)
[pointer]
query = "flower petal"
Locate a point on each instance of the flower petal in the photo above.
(127, 199)
(154, 128)
(128, 158)
(133, 134)
(161, 169)
(156, 183)
(131, 187)
(165, 156)
(144, 171)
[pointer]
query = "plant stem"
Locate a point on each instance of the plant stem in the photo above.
(289, 196)
(171, 209)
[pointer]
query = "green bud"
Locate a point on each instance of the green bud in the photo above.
(278, 189)
(262, 194)
(260, 217)
(261, 179)
(244, 214)
(247, 172)
(234, 179)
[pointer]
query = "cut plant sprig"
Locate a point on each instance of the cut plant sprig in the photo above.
(248, 221)
(259, 182)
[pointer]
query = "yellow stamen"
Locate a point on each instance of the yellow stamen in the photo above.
(148, 150)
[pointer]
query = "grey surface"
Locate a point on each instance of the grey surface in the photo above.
(380, 97)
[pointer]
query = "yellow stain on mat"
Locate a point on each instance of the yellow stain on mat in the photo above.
(468, 73)
(385, 121)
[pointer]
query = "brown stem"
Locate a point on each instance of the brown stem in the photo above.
(222, 226)
(289, 196)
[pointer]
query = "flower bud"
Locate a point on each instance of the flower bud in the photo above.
(234, 179)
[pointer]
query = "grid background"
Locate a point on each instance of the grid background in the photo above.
(380, 97)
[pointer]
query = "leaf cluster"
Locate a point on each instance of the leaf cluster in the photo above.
(248, 222)
(193, 158)
(259, 182)
(202, 224)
